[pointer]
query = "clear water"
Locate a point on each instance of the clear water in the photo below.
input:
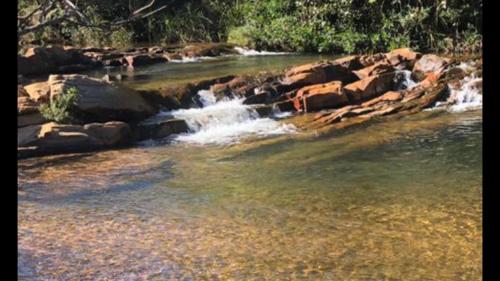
(398, 200)
(393, 200)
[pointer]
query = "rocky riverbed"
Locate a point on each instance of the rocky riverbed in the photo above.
(339, 93)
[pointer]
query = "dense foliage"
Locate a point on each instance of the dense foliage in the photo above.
(340, 26)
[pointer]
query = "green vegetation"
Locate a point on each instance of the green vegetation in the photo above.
(330, 26)
(60, 109)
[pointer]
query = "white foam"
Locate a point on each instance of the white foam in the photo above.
(468, 97)
(250, 52)
(192, 59)
(225, 122)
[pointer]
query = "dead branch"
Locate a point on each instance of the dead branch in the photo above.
(73, 11)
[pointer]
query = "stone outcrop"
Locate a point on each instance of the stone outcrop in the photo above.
(51, 138)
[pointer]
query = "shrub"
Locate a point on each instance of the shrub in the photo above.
(240, 36)
(121, 38)
(60, 109)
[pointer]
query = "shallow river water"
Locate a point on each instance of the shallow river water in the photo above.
(394, 200)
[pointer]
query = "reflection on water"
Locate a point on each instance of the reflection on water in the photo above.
(399, 200)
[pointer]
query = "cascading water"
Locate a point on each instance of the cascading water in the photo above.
(404, 80)
(225, 121)
(465, 95)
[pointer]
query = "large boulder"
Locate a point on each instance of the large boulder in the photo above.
(320, 96)
(52, 138)
(98, 101)
(370, 87)
(431, 63)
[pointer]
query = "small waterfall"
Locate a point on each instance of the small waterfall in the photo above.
(225, 121)
(404, 80)
(468, 97)
(467, 94)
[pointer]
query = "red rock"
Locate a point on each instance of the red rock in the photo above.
(370, 87)
(431, 63)
(377, 68)
(320, 96)
(389, 96)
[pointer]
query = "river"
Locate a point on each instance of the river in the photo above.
(262, 200)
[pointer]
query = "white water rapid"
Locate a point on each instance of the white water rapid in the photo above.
(226, 121)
